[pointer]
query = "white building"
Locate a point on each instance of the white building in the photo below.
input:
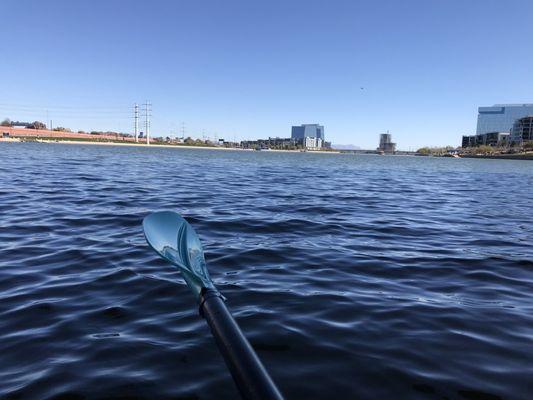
(312, 143)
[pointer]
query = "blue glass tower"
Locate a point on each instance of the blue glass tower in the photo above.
(307, 130)
(501, 117)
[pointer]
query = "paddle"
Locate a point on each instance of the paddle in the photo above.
(177, 242)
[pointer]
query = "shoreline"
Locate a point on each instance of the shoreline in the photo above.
(167, 146)
(526, 156)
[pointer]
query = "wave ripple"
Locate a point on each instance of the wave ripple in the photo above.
(353, 277)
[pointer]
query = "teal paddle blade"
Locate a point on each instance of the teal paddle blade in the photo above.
(176, 241)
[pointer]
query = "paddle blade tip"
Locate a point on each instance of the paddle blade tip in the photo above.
(161, 229)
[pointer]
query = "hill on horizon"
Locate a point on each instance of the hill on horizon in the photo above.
(345, 147)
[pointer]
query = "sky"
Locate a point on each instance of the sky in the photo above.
(252, 69)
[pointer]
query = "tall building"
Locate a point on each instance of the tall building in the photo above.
(501, 117)
(308, 130)
(309, 135)
(501, 125)
(522, 130)
(385, 143)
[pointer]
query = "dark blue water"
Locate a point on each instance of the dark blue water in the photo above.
(359, 277)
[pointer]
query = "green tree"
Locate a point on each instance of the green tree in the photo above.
(6, 122)
(424, 150)
(36, 125)
(484, 149)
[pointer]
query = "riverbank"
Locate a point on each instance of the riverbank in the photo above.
(523, 156)
(518, 156)
(159, 145)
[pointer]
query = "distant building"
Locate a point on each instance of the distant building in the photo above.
(385, 144)
(277, 143)
(501, 117)
(307, 130)
(468, 141)
(501, 125)
(310, 136)
(313, 143)
(522, 130)
(486, 139)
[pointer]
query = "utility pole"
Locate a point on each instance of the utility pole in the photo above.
(147, 115)
(136, 117)
(183, 130)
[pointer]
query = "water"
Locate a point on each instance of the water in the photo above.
(358, 277)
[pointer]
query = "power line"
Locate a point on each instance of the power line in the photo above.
(52, 107)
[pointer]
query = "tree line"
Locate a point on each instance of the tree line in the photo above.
(27, 125)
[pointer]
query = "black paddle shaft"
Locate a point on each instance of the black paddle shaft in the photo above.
(248, 372)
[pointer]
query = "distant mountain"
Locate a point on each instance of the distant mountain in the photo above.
(345, 147)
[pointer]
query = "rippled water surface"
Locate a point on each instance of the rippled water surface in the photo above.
(359, 277)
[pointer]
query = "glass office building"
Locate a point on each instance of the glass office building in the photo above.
(522, 130)
(501, 117)
(308, 130)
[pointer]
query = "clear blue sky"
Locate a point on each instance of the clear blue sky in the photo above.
(252, 69)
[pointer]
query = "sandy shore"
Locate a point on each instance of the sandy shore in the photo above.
(130, 144)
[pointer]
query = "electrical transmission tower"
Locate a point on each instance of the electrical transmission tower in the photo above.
(147, 115)
(136, 118)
